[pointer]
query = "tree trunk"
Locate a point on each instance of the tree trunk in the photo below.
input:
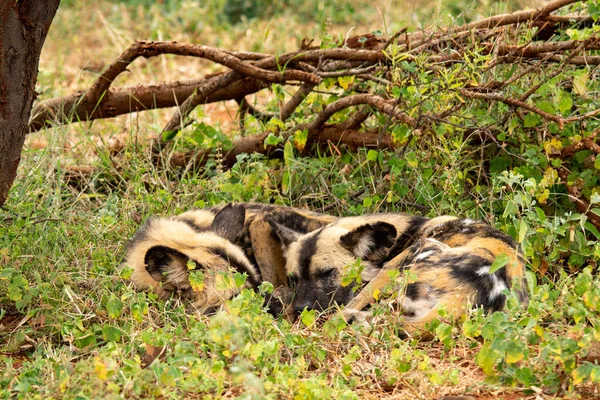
(24, 25)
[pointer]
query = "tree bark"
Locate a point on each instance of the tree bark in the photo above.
(23, 29)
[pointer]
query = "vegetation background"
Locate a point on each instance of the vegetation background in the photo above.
(72, 326)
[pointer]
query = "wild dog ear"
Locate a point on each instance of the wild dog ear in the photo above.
(371, 242)
(229, 222)
(286, 235)
(160, 260)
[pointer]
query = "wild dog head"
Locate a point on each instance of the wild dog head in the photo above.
(165, 250)
(315, 262)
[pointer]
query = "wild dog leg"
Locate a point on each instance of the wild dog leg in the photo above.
(381, 280)
(271, 263)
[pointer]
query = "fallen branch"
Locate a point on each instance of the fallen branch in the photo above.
(514, 103)
(255, 145)
(581, 205)
(119, 101)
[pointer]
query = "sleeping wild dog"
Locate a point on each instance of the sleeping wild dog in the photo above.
(448, 258)
(164, 251)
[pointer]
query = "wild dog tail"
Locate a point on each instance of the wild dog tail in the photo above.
(452, 262)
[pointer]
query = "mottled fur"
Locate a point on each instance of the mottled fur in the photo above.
(213, 240)
(449, 257)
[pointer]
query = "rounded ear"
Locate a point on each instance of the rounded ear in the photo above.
(371, 242)
(229, 222)
(285, 235)
(161, 260)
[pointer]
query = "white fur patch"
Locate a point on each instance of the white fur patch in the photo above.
(424, 255)
(498, 285)
(363, 246)
(370, 272)
(418, 307)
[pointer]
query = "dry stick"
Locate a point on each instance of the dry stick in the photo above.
(272, 62)
(152, 49)
(584, 144)
(578, 60)
(515, 103)
(533, 49)
(372, 100)
(356, 119)
(581, 205)
(555, 73)
(288, 108)
(247, 108)
(119, 101)
(255, 144)
(394, 37)
(346, 72)
(421, 38)
(189, 104)
(514, 18)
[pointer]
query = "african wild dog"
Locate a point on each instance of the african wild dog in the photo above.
(449, 258)
(163, 250)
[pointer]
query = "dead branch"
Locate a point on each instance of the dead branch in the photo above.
(533, 49)
(514, 103)
(514, 18)
(584, 144)
(581, 205)
(288, 108)
(247, 108)
(357, 99)
(255, 145)
(119, 101)
(153, 49)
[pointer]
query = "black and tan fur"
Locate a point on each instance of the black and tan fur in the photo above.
(450, 259)
(214, 240)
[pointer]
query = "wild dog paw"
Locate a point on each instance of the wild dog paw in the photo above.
(352, 315)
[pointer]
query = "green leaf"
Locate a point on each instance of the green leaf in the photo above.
(308, 317)
(591, 228)
(345, 81)
(14, 292)
(266, 287)
(580, 81)
(239, 279)
(272, 140)
(288, 153)
(522, 230)
(514, 353)
(168, 135)
(565, 102)
(300, 138)
(275, 123)
(110, 333)
(372, 155)
(531, 120)
(114, 307)
(196, 279)
(581, 373)
(285, 182)
(138, 310)
(486, 359)
(500, 261)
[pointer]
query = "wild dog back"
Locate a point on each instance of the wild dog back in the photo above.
(450, 257)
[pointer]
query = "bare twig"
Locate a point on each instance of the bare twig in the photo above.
(515, 103)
